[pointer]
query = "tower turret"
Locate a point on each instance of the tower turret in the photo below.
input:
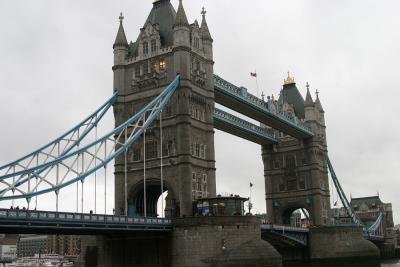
(319, 110)
(120, 53)
(309, 107)
(206, 37)
(121, 44)
(181, 27)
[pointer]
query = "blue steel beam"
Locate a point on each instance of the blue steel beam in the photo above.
(370, 231)
(238, 99)
(154, 107)
(30, 169)
(231, 124)
(43, 222)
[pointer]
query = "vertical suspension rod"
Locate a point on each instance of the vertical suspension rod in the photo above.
(161, 167)
(105, 178)
(95, 173)
(83, 180)
(77, 182)
(126, 174)
(144, 168)
(36, 178)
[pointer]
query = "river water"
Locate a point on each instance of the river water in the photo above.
(369, 263)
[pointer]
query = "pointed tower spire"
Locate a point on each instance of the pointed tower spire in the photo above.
(309, 101)
(120, 40)
(318, 102)
(205, 32)
(181, 19)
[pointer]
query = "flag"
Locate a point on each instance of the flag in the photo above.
(251, 185)
(253, 74)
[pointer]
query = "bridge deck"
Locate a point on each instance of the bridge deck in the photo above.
(240, 100)
(236, 126)
(47, 222)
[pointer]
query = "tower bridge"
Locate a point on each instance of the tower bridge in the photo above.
(164, 97)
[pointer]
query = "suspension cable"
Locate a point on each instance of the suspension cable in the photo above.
(77, 182)
(83, 180)
(57, 175)
(95, 173)
(161, 167)
(105, 178)
(144, 168)
(37, 163)
(126, 174)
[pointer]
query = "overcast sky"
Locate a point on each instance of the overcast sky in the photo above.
(56, 58)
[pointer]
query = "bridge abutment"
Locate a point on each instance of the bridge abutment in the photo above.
(221, 241)
(340, 242)
(141, 249)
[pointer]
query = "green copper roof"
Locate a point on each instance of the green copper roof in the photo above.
(163, 14)
(292, 96)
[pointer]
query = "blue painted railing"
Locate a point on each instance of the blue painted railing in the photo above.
(50, 216)
(244, 125)
(242, 95)
(296, 234)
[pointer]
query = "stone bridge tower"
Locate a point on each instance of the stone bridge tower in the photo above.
(167, 44)
(295, 171)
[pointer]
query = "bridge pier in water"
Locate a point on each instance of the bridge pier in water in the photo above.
(221, 241)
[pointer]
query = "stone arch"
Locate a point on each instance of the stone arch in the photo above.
(153, 192)
(288, 211)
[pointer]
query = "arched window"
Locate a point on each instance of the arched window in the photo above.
(145, 48)
(153, 46)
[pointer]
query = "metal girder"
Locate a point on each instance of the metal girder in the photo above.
(77, 165)
(356, 220)
(236, 126)
(239, 100)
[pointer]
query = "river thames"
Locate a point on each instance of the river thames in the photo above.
(369, 263)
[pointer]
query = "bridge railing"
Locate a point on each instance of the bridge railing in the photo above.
(222, 115)
(7, 214)
(253, 100)
(284, 228)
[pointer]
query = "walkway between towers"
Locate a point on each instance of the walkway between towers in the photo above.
(69, 160)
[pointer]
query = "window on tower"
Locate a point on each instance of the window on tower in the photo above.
(163, 65)
(136, 154)
(153, 46)
(151, 150)
(145, 48)
(196, 42)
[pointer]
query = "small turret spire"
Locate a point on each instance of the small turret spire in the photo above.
(309, 101)
(181, 19)
(120, 40)
(205, 32)
(121, 17)
(318, 102)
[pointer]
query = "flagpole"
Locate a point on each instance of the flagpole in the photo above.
(250, 204)
(256, 81)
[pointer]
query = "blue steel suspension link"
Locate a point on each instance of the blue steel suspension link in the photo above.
(348, 206)
(104, 107)
(163, 99)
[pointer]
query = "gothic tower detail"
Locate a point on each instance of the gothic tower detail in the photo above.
(295, 170)
(167, 45)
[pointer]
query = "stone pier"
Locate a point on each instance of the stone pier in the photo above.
(340, 242)
(223, 241)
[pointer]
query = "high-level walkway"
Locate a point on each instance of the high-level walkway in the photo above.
(229, 123)
(239, 100)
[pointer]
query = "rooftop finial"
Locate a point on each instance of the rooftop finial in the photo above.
(121, 17)
(203, 12)
(317, 93)
(288, 80)
(308, 86)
